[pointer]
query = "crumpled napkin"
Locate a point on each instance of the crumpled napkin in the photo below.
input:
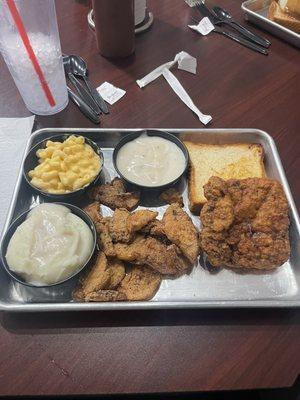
(14, 133)
(184, 62)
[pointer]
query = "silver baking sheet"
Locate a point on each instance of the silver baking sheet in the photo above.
(200, 289)
(256, 11)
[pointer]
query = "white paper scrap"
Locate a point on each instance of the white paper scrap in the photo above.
(110, 93)
(182, 94)
(185, 62)
(204, 27)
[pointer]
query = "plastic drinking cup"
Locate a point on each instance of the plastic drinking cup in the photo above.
(30, 45)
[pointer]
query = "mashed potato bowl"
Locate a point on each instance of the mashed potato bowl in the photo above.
(22, 218)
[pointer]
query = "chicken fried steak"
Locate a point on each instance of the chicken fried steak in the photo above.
(245, 223)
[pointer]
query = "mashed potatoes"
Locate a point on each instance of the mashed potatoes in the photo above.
(65, 166)
(50, 245)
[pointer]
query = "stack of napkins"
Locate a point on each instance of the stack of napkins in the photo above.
(14, 133)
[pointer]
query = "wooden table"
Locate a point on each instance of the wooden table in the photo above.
(165, 351)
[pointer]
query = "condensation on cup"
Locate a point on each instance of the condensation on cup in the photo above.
(38, 17)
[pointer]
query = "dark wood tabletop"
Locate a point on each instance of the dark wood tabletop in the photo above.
(161, 350)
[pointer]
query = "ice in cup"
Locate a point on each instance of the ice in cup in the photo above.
(30, 45)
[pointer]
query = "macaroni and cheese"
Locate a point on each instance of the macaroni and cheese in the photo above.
(65, 166)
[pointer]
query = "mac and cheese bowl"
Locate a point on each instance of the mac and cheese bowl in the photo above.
(63, 166)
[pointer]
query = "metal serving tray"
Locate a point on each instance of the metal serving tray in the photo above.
(256, 11)
(200, 289)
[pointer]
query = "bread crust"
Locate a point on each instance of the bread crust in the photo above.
(196, 200)
(280, 17)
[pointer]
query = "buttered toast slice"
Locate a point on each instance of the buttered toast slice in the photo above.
(288, 21)
(291, 7)
(229, 161)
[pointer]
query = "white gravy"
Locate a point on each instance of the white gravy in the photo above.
(150, 161)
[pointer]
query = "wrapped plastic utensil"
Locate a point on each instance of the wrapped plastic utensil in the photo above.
(184, 62)
(182, 94)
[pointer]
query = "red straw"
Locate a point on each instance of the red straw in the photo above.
(20, 26)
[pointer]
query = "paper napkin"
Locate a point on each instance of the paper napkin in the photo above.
(14, 133)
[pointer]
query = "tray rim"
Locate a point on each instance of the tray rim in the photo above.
(285, 30)
(110, 306)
